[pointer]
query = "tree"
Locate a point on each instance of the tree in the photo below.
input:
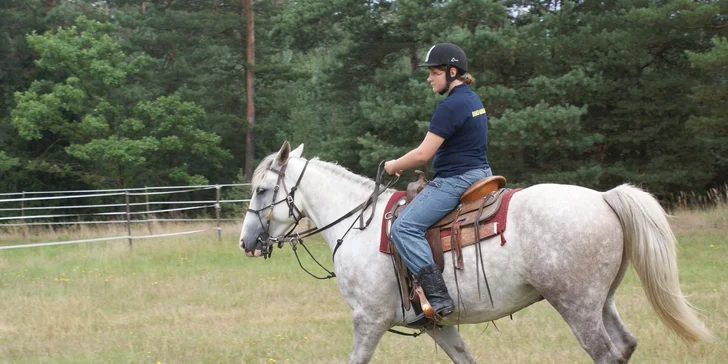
(622, 71)
(198, 51)
(89, 122)
(590, 93)
(711, 125)
(247, 13)
(17, 71)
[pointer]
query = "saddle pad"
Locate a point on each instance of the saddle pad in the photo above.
(498, 222)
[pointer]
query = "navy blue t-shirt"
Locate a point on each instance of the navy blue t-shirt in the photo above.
(461, 120)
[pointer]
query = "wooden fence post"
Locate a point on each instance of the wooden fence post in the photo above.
(22, 214)
(128, 218)
(217, 212)
(149, 216)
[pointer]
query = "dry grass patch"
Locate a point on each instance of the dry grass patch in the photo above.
(191, 299)
(712, 216)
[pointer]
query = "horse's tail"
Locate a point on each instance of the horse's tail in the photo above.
(650, 243)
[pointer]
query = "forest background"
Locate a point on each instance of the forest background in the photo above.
(119, 94)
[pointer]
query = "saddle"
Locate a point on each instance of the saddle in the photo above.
(470, 222)
(478, 205)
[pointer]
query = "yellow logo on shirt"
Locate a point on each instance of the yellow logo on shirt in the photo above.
(478, 112)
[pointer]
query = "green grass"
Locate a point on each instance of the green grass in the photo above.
(191, 299)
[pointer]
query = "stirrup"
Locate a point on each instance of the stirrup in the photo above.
(428, 312)
(419, 321)
(427, 308)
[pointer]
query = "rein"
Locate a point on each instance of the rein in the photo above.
(295, 212)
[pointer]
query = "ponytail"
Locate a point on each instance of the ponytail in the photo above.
(467, 79)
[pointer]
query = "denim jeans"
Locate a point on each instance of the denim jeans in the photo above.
(440, 196)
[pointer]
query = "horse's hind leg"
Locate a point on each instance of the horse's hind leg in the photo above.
(449, 340)
(581, 302)
(621, 337)
(587, 325)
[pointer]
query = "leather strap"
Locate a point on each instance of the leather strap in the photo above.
(400, 270)
(433, 238)
(479, 250)
(457, 246)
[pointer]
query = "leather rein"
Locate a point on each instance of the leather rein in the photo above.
(266, 242)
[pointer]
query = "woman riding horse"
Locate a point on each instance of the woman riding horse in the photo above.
(458, 139)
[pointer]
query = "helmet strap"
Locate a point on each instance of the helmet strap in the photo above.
(448, 80)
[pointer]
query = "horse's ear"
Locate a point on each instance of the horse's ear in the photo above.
(283, 154)
(298, 152)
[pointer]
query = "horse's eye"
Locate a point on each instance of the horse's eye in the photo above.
(260, 190)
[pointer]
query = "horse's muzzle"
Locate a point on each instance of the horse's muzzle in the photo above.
(257, 249)
(254, 254)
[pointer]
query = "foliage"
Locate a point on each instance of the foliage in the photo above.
(152, 92)
(96, 128)
(711, 124)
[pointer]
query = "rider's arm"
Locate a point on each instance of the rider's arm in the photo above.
(416, 157)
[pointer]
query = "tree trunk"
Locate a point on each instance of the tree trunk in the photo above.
(51, 4)
(249, 85)
(414, 61)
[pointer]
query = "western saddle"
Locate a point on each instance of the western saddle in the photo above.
(467, 224)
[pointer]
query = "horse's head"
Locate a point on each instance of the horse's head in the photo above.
(274, 207)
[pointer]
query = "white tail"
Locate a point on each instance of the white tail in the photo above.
(650, 243)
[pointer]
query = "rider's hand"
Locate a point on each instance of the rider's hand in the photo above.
(389, 167)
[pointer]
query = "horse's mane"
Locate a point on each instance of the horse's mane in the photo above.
(335, 169)
(344, 173)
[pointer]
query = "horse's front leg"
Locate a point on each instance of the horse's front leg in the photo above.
(368, 331)
(449, 340)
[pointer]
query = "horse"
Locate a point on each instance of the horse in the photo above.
(566, 244)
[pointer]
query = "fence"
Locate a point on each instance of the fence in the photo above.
(26, 204)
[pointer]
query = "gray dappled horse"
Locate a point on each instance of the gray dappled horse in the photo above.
(567, 244)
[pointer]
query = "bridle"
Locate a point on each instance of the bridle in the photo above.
(266, 242)
(293, 211)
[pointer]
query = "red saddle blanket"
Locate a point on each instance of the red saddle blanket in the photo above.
(498, 220)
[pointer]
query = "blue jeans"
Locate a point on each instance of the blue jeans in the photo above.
(440, 196)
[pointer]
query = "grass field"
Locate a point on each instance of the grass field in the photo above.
(192, 299)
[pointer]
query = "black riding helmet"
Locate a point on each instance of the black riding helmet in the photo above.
(448, 55)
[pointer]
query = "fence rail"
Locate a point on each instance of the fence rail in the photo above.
(121, 189)
(120, 209)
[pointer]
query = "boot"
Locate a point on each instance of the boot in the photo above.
(435, 289)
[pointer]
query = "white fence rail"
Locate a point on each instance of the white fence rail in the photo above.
(16, 202)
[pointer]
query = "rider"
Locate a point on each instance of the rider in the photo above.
(458, 139)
